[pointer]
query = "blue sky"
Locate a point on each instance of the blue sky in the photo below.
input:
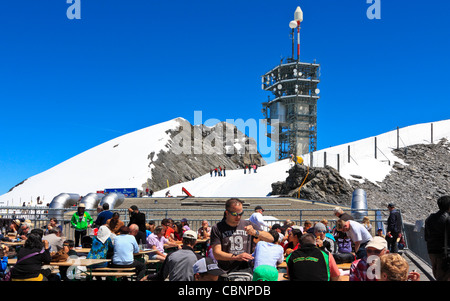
(69, 85)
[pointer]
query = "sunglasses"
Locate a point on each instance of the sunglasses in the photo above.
(235, 213)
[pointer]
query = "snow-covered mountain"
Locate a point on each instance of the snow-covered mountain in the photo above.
(125, 162)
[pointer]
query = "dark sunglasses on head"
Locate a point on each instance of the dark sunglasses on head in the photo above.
(235, 213)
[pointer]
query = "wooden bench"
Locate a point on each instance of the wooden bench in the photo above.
(114, 272)
(153, 265)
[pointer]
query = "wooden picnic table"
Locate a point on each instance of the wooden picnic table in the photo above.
(70, 262)
(13, 243)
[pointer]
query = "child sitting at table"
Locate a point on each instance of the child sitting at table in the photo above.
(69, 249)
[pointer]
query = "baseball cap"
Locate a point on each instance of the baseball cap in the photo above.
(259, 207)
(377, 242)
(190, 234)
(265, 273)
(207, 265)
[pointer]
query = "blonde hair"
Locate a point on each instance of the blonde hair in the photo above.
(394, 266)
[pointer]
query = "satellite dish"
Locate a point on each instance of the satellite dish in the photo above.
(293, 24)
(279, 87)
(317, 91)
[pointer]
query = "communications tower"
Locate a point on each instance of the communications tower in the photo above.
(291, 109)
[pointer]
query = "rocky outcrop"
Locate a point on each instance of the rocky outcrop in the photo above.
(413, 186)
(195, 150)
(319, 183)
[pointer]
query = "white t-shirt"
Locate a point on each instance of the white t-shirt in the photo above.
(358, 233)
(257, 219)
(267, 253)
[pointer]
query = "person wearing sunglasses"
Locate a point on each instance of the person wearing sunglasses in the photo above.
(232, 239)
(324, 242)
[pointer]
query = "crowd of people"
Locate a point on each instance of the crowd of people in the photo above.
(237, 249)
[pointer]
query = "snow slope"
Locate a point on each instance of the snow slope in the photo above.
(123, 163)
(119, 163)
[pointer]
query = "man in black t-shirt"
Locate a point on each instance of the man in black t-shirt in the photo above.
(137, 218)
(232, 238)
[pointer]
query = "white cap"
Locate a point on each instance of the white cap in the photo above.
(190, 234)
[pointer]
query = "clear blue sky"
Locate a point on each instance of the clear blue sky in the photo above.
(69, 85)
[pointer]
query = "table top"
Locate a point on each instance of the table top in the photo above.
(13, 243)
(70, 262)
(141, 252)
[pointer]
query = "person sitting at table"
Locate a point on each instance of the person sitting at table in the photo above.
(138, 234)
(125, 247)
(323, 241)
(166, 223)
(309, 263)
(30, 259)
(156, 241)
(178, 265)
(54, 239)
(293, 241)
(185, 224)
(204, 232)
(53, 223)
(3, 259)
(102, 246)
(177, 235)
(268, 253)
(14, 227)
(114, 223)
(150, 227)
(69, 249)
(23, 231)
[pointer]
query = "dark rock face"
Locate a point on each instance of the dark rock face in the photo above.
(319, 183)
(195, 150)
(414, 186)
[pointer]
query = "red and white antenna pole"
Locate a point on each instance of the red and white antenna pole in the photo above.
(298, 40)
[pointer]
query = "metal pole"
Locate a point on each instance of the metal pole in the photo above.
(375, 147)
(431, 133)
(398, 138)
(298, 41)
(293, 43)
(348, 153)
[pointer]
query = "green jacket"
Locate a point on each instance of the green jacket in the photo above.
(81, 225)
